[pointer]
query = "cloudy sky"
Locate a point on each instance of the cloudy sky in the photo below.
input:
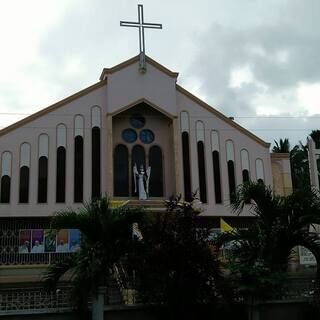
(256, 60)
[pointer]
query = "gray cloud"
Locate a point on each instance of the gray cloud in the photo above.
(203, 40)
(282, 52)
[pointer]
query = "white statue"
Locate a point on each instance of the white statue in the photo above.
(143, 181)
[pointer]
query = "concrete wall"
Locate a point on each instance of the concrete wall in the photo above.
(281, 171)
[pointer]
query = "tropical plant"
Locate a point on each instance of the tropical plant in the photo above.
(261, 252)
(175, 263)
(315, 135)
(300, 167)
(282, 147)
(106, 235)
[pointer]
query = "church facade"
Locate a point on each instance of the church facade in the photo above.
(87, 145)
(131, 135)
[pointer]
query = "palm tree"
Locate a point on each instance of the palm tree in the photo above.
(315, 135)
(106, 235)
(262, 251)
(300, 166)
(282, 147)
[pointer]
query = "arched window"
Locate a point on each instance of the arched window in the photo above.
(6, 164)
(95, 144)
(61, 163)
(184, 117)
(231, 170)
(259, 170)
(78, 158)
(138, 158)
(121, 171)
(43, 152)
(215, 148)
(244, 154)
(25, 151)
(156, 177)
(201, 161)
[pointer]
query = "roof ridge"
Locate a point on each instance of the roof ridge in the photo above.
(222, 116)
(122, 65)
(52, 107)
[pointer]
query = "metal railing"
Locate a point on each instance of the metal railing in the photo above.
(15, 301)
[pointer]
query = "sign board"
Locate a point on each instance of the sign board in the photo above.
(306, 257)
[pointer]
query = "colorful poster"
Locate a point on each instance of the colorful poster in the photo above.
(24, 241)
(74, 240)
(63, 240)
(37, 241)
(49, 241)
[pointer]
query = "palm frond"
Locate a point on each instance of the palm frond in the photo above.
(55, 271)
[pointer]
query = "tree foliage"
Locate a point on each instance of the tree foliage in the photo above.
(283, 146)
(262, 251)
(300, 167)
(175, 263)
(315, 135)
(106, 235)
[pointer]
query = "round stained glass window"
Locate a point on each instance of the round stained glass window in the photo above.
(146, 136)
(129, 135)
(137, 121)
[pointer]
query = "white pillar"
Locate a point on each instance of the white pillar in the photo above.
(98, 304)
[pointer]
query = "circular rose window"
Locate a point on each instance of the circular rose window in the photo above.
(137, 121)
(146, 136)
(129, 135)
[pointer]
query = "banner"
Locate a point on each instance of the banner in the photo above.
(24, 241)
(63, 240)
(74, 240)
(40, 241)
(49, 241)
(37, 241)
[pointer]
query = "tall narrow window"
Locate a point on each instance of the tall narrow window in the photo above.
(259, 170)
(43, 168)
(78, 158)
(244, 154)
(139, 159)
(201, 161)
(24, 172)
(231, 170)
(215, 148)
(95, 143)
(184, 117)
(156, 177)
(61, 163)
(6, 163)
(121, 171)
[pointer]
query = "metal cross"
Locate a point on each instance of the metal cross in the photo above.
(141, 25)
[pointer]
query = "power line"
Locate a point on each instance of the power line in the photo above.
(191, 116)
(191, 130)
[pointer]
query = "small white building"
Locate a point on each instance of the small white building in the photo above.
(314, 163)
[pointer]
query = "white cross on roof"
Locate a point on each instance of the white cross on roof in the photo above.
(141, 25)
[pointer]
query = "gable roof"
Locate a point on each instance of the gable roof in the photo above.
(122, 65)
(53, 107)
(222, 116)
(103, 81)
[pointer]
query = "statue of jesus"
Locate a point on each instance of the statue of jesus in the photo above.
(143, 181)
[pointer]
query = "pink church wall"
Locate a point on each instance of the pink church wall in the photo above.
(124, 88)
(226, 132)
(47, 124)
(129, 85)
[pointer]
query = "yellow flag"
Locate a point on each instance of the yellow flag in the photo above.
(118, 203)
(224, 227)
